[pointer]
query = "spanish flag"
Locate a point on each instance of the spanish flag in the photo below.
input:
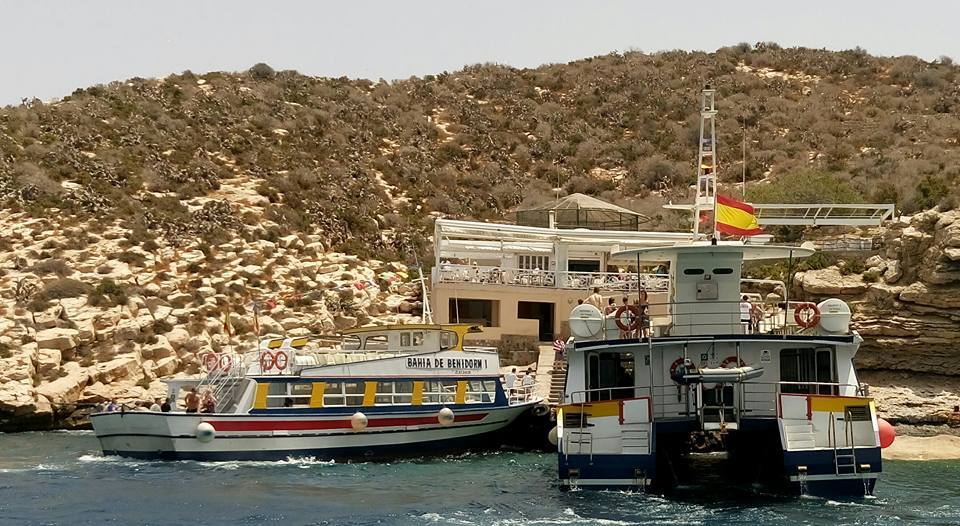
(736, 218)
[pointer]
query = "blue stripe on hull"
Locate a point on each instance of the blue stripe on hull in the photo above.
(821, 462)
(607, 466)
(381, 452)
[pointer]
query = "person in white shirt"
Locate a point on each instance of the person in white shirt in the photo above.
(745, 309)
(510, 379)
(528, 380)
(595, 299)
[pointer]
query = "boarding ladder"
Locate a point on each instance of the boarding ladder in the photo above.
(222, 383)
(844, 457)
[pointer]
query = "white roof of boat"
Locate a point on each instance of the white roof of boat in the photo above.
(750, 252)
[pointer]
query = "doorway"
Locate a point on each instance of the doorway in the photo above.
(535, 310)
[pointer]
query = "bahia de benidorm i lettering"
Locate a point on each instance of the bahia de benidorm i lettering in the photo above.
(445, 363)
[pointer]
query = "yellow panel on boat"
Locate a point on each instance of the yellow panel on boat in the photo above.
(417, 398)
(835, 404)
(260, 400)
(316, 394)
(370, 393)
(596, 409)
(273, 344)
(461, 397)
(299, 342)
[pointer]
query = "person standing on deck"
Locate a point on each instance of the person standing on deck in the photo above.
(746, 308)
(192, 400)
(595, 299)
(510, 380)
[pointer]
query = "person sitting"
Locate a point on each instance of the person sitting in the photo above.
(288, 402)
(111, 406)
(165, 406)
(209, 403)
(155, 407)
(141, 407)
(611, 307)
(192, 400)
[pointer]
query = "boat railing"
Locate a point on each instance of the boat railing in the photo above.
(751, 399)
(519, 395)
(680, 318)
(605, 281)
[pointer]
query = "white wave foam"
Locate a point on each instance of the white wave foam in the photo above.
(568, 516)
(300, 462)
(436, 517)
(31, 469)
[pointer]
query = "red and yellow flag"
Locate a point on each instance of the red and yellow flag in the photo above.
(736, 218)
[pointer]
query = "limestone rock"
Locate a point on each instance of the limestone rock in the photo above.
(67, 388)
(57, 338)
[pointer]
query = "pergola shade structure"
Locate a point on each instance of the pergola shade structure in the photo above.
(581, 211)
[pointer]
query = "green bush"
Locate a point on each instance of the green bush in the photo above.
(871, 276)
(51, 266)
(852, 266)
(64, 288)
(808, 186)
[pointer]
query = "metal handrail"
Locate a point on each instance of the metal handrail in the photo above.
(566, 279)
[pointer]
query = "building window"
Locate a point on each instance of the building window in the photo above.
(475, 312)
(533, 262)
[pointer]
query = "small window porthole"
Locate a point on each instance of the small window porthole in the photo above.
(723, 271)
(692, 271)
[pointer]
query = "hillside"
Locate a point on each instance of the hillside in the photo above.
(367, 163)
(142, 219)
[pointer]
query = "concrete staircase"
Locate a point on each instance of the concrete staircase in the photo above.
(558, 378)
(799, 433)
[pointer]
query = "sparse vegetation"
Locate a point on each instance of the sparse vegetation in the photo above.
(51, 266)
(367, 162)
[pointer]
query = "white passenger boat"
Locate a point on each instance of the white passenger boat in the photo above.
(777, 396)
(381, 392)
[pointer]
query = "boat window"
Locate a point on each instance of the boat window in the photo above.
(394, 393)
(333, 394)
(284, 394)
(351, 342)
(610, 376)
(723, 271)
(354, 393)
(439, 391)
(376, 343)
(418, 338)
(481, 391)
(448, 340)
(692, 271)
(809, 367)
(404, 339)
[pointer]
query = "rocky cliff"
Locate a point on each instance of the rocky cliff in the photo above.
(905, 305)
(87, 315)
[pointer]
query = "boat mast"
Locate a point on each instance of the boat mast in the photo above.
(706, 160)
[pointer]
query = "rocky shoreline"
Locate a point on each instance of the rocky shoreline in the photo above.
(88, 314)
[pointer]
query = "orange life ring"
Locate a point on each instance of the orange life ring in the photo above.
(210, 361)
(729, 360)
(634, 324)
(806, 315)
(267, 361)
(280, 359)
(226, 362)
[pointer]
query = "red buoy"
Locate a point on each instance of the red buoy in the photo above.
(887, 433)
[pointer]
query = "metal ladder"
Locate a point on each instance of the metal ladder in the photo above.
(844, 458)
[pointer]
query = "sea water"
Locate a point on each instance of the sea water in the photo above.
(60, 478)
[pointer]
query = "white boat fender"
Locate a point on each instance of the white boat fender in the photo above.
(553, 436)
(540, 410)
(445, 416)
(206, 432)
(358, 421)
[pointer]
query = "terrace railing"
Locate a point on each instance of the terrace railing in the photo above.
(606, 281)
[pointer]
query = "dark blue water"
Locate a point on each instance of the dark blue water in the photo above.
(60, 478)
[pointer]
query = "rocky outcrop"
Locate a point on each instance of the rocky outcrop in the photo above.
(906, 305)
(107, 319)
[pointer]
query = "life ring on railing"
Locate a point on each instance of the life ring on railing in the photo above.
(210, 361)
(267, 361)
(731, 360)
(673, 369)
(634, 322)
(225, 363)
(806, 315)
(280, 359)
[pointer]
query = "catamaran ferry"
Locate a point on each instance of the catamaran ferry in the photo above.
(379, 392)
